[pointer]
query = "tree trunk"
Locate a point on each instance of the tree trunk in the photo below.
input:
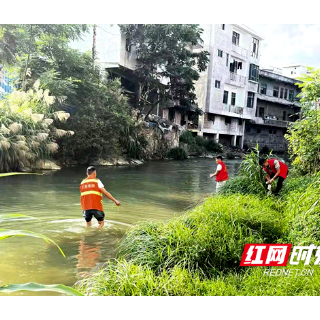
(24, 82)
(94, 43)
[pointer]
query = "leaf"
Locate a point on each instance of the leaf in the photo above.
(17, 173)
(4, 234)
(35, 287)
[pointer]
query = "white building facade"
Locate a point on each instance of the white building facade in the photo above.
(226, 91)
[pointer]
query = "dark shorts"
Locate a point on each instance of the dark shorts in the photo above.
(87, 214)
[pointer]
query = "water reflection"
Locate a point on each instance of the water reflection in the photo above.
(88, 256)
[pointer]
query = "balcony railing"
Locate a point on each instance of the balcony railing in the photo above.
(277, 123)
(238, 78)
(239, 50)
(234, 109)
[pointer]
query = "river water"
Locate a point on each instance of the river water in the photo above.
(157, 190)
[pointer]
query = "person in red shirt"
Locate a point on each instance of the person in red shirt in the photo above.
(92, 190)
(275, 169)
(221, 173)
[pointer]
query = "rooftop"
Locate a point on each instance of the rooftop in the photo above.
(278, 77)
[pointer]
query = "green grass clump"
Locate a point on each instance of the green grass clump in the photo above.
(177, 154)
(120, 278)
(208, 239)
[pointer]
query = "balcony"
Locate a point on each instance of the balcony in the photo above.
(237, 79)
(268, 98)
(267, 121)
(276, 123)
(234, 109)
(240, 51)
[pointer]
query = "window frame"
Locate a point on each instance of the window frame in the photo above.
(251, 99)
(274, 90)
(225, 94)
(262, 87)
(255, 52)
(227, 59)
(254, 72)
(291, 91)
(285, 96)
(281, 93)
(233, 96)
(217, 84)
(225, 120)
(220, 51)
(223, 26)
(236, 36)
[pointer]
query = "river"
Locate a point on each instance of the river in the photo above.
(156, 190)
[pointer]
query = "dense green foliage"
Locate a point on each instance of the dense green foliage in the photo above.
(27, 133)
(199, 144)
(304, 134)
(177, 154)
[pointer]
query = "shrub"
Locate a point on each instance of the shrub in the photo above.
(27, 136)
(187, 137)
(177, 154)
(230, 155)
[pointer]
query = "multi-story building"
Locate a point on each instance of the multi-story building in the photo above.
(227, 91)
(277, 106)
(295, 71)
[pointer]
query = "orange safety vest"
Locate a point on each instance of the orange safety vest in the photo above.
(91, 196)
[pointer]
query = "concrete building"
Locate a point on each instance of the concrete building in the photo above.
(227, 90)
(277, 106)
(295, 71)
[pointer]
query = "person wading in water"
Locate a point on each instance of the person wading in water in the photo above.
(221, 173)
(91, 190)
(275, 169)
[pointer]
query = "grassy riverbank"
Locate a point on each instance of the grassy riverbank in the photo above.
(199, 252)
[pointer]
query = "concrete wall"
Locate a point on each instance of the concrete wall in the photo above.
(275, 140)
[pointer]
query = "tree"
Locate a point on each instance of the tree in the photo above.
(23, 43)
(167, 66)
(303, 135)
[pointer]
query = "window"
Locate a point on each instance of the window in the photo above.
(281, 93)
(254, 73)
(274, 131)
(290, 95)
(270, 131)
(250, 100)
(233, 99)
(217, 84)
(227, 59)
(284, 117)
(285, 94)
(227, 120)
(220, 53)
(223, 26)
(240, 122)
(255, 47)
(128, 45)
(275, 91)
(235, 38)
(225, 97)
(171, 115)
(258, 130)
(211, 117)
(261, 112)
(263, 88)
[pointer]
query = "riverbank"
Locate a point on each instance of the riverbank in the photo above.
(199, 252)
